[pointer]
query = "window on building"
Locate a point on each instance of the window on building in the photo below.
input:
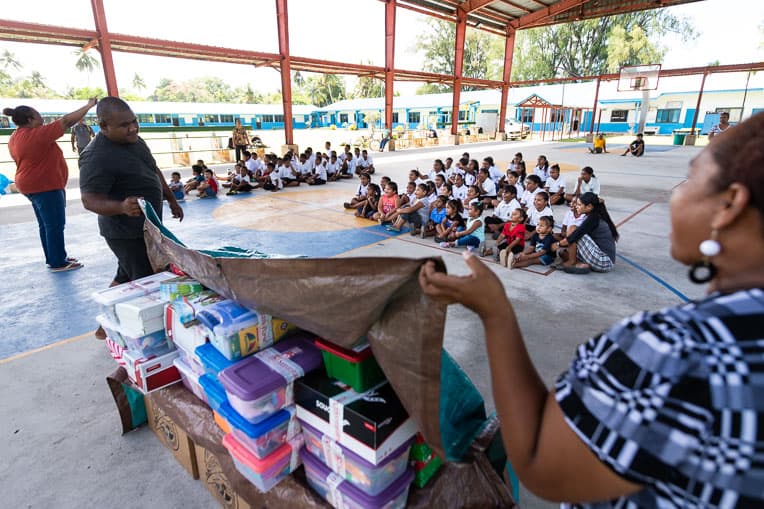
(267, 119)
(4, 122)
(145, 118)
(619, 116)
(343, 118)
(735, 113)
(464, 115)
(395, 117)
(278, 118)
(163, 118)
(556, 115)
(414, 117)
(227, 119)
(211, 119)
(668, 116)
(525, 115)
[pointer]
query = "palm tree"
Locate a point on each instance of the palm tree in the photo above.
(37, 80)
(8, 59)
(138, 83)
(85, 62)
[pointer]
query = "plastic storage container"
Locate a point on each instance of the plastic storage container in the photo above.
(179, 287)
(237, 331)
(266, 436)
(190, 379)
(357, 368)
(214, 391)
(367, 477)
(343, 494)
(155, 343)
(265, 473)
(141, 315)
(212, 360)
(261, 385)
(191, 360)
(109, 297)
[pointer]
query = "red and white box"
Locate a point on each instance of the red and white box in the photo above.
(153, 372)
(116, 350)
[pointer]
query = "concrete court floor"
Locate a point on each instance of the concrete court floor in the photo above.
(60, 442)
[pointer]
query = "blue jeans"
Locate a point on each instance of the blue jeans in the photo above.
(382, 144)
(49, 208)
(468, 240)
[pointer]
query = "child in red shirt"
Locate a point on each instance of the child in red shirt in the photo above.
(208, 188)
(512, 237)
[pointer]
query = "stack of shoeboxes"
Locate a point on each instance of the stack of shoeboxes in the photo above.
(132, 316)
(357, 433)
(243, 365)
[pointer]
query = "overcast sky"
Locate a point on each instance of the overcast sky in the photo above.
(343, 30)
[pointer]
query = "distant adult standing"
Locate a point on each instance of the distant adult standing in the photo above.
(636, 147)
(41, 175)
(723, 125)
(115, 171)
(240, 139)
(81, 136)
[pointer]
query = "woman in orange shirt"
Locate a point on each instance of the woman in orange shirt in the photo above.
(41, 175)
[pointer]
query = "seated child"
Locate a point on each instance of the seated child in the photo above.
(474, 232)
(208, 188)
(473, 196)
(512, 237)
(333, 167)
(272, 178)
(458, 189)
(383, 182)
(453, 222)
(503, 210)
(370, 205)
(364, 163)
(410, 193)
(288, 173)
(348, 166)
(319, 176)
(437, 215)
(532, 187)
(414, 214)
(539, 249)
(539, 209)
(198, 178)
(241, 182)
(176, 186)
(360, 193)
(388, 204)
(555, 185)
(572, 220)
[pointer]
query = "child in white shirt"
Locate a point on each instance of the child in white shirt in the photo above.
(532, 188)
(333, 168)
(503, 210)
(458, 190)
(555, 185)
(539, 209)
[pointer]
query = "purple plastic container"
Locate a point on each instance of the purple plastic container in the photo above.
(261, 385)
(369, 478)
(341, 493)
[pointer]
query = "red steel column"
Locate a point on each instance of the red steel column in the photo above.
(286, 69)
(461, 30)
(104, 46)
(697, 108)
(509, 50)
(594, 108)
(389, 61)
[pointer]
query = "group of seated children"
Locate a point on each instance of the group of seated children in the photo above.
(448, 204)
(274, 173)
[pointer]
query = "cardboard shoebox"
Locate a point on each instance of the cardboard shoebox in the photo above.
(372, 424)
(172, 437)
(153, 372)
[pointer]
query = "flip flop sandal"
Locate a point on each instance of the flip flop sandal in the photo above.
(69, 266)
(576, 270)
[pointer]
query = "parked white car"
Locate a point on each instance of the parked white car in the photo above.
(515, 130)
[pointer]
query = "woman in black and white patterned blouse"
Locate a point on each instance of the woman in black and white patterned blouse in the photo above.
(664, 409)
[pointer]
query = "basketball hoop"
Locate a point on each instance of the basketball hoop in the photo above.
(632, 78)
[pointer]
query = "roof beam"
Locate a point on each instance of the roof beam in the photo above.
(472, 5)
(543, 15)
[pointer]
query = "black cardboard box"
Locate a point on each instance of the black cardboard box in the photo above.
(372, 424)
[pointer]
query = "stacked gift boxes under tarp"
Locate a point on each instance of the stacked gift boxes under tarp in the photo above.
(251, 369)
(357, 433)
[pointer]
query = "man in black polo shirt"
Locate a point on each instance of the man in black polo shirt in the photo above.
(115, 171)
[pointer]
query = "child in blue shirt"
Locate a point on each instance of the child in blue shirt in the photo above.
(437, 214)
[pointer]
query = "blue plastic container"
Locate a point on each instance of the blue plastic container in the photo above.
(266, 436)
(214, 362)
(214, 390)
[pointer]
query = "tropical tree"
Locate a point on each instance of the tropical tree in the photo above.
(595, 46)
(9, 62)
(85, 62)
(324, 89)
(86, 93)
(138, 83)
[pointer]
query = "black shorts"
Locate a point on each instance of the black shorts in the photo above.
(133, 261)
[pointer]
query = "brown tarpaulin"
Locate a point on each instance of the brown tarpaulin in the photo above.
(340, 300)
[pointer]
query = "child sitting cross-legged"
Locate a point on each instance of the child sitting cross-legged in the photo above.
(415, 213)
(474, 232)
(370, 205)
(208, 188)
(453, 222)
(538, 250)
(194, 181)
(503, 210)
(388, 204)
(240, 183)
(437, 215)
(539, 208)
(360, 193)
(176, 186)
(512, 237)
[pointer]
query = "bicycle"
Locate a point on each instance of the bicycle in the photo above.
(367, 143)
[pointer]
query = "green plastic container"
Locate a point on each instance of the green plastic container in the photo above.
(356, 368)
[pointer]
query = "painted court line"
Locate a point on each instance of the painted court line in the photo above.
(46, 347)
(654, 277)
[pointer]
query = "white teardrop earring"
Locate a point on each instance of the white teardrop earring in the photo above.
(703, 271)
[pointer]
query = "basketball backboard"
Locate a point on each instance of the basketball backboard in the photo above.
(638, 77)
